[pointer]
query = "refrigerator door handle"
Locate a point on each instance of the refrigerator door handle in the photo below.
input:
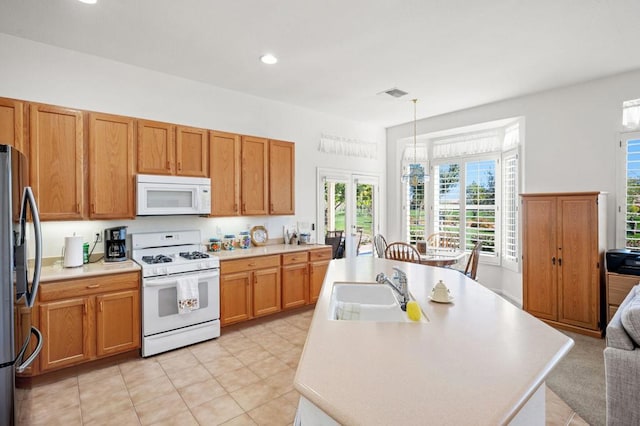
(23, 366)
(29, 198)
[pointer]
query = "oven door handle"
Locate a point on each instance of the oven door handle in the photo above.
(159, 282)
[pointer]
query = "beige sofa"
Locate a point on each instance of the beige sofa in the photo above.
(622, 362)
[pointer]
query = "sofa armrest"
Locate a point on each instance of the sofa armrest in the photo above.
(617, 336)
(622, 373)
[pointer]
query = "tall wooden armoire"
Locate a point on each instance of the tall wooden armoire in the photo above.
(564, 238)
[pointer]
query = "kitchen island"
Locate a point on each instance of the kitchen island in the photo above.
(477, 360)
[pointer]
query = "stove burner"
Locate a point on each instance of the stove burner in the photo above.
(194, 255)
(161, 258)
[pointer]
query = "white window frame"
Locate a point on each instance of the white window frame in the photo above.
(494, 258)
(404, 164)
(621, 186)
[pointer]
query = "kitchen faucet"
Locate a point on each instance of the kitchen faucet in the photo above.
(402, 288)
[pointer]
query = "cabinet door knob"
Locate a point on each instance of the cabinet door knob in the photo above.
(553, 260)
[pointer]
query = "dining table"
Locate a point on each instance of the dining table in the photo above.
(441, 257)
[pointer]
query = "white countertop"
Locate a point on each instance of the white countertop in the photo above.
(57, 272)
(477, 361)
(266, 250)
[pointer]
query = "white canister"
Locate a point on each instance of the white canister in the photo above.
(72, 252)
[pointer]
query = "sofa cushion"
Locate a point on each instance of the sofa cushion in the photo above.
(631, 319)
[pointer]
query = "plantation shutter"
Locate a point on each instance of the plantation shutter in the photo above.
(510, 209)
(480, 205)
(446, 208)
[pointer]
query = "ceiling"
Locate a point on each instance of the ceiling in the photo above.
(335, 56)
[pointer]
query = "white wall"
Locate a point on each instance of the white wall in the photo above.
(570, 145)
(38, 72)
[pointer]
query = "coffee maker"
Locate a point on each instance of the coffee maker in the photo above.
(115, 245)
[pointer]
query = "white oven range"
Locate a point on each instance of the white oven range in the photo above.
(165, 259)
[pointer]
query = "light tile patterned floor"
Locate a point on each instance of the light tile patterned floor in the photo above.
(245, 377)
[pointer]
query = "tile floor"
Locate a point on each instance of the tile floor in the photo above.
(245, 377)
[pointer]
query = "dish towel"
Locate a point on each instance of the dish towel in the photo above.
(347, 311)
(188, 296)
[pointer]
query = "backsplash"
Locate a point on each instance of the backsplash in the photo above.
(53, 233)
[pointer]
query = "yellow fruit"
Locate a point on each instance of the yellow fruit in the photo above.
(413, 311)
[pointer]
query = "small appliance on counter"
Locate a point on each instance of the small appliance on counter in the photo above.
(115, 245)
(73, 252)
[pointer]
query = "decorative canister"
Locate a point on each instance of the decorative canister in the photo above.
(244, 241)
(228, 242)
(215, 244)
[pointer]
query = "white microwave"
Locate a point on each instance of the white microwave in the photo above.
(172, 195)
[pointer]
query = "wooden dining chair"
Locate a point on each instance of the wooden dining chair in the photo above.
(471, 269)
(402, 251)
(380, 245)
(443, 240)
(334, 239)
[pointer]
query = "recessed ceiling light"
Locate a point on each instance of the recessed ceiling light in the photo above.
(89, 1)
(268, 59)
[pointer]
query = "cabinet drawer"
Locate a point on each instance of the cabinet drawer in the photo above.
(291, 258)
(619, 287)
(320, 254)
(230, 266)
(88, 286)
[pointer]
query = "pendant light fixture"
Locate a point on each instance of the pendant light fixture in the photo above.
(416, 174)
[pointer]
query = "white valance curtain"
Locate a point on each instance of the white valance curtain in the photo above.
(419, 156)
(482, 142)
(349, 147)
(631, 114)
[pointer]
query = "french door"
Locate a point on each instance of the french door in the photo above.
(349, 202)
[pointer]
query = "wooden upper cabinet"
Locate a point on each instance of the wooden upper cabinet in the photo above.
(111, 167)
(12, 124)
(282, 157)
(192, 152)
(156, 148)
(255, 176)
(167, 149)
(225, 174)
(56, 161)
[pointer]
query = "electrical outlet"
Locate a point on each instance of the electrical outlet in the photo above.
(98, 238)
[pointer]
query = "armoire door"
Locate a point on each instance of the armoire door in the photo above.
(578, 274)
(539, 257)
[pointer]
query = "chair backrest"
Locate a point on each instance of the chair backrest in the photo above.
(472, 264)
(380, 245)
(333, 238)
(443, 240)
(402, 251)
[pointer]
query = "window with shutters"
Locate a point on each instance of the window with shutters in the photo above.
(629, 210)
(475, 188)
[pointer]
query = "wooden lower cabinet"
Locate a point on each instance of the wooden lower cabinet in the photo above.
(85, 319)
(263, 285)
(117, 322)
(249, 288)
(318, 263)
(65, 331)
(618, 286)
(295, 280)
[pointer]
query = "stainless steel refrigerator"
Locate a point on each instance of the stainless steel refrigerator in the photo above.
(19, 224)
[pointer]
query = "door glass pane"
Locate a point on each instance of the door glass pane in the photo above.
(334, 206)
(364, 219)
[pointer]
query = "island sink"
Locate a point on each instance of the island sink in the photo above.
(365, 301)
